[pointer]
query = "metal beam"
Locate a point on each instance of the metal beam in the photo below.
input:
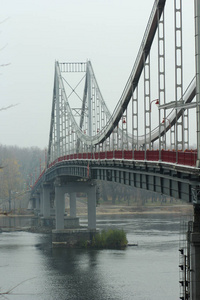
(180, 104)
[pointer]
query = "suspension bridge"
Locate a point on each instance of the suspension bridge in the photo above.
(137, 144)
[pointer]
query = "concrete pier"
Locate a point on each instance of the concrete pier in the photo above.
(41, 203)
(60, 205)
(92, 208)
(50, 223)
(64, 227)
(72, 204)
(46, 200)
(71, 237)
(72, 188)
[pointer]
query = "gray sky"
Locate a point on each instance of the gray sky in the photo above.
(38, 32)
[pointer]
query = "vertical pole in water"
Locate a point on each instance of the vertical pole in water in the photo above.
(194, 241)
(197, 61)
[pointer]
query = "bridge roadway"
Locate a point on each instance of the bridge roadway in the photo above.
(78, 172)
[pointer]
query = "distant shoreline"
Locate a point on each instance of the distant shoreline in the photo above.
(181, 209)
(186, 209)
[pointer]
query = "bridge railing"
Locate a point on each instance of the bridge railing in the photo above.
(185, 158)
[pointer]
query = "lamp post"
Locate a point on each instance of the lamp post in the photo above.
(163, 121)
(157, 103)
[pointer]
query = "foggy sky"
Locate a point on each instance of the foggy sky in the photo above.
(35, 33)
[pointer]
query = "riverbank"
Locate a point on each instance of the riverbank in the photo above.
(181, 209)
(20, 222)
(107, 209)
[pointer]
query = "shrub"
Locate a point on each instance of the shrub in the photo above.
(110, 239)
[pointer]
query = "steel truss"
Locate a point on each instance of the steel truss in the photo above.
(97, 129)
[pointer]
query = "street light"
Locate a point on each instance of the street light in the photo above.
(163, 121)
(157, 103)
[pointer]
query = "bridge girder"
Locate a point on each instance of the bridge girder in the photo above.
(170, 180)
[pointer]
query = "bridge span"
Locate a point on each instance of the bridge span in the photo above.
(166, 177)
(134, 145)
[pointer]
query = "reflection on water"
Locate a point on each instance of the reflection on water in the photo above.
(149, 271)
(14, 222)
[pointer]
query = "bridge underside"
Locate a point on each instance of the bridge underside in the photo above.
(168, 179)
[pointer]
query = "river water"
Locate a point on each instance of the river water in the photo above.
(31, 269)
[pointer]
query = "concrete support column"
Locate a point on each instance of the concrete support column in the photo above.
(117, 176)
(127, 178)
(41, 203)
(60, 205)
(37, 203)
(113, 176)
(91, 193)
(132, 179)
(46, 200)
(34, 203)
(31, 203)
(72, 204)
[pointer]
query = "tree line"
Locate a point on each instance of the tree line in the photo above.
(119, 194)
(19, 167)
